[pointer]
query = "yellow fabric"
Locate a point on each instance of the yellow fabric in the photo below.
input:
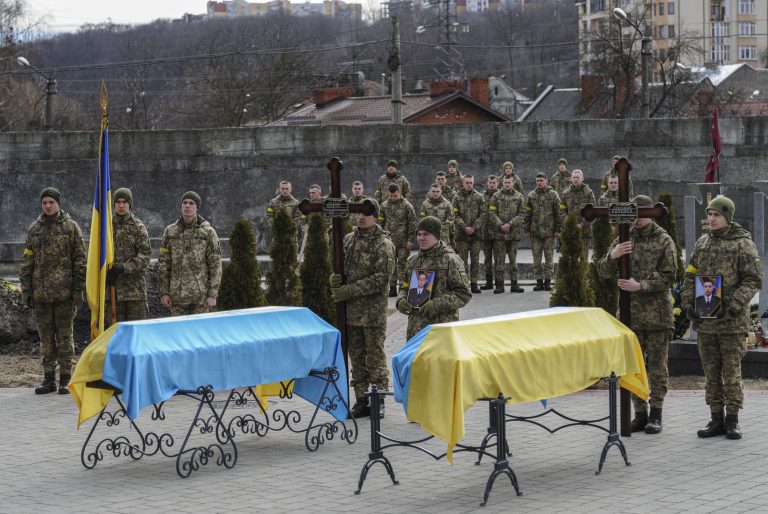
(27, 251)
(527, 356)
(692, 269)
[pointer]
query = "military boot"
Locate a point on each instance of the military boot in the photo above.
(514, 288)
(654, 421)
(732, 429)
(48, 385)
(63, 382)
(547, 284)
(475, 289)
(392, 291)
(539, 285)
(488, 282)
(361, 409)
(639, 422)
(499, 285)
(715, 427)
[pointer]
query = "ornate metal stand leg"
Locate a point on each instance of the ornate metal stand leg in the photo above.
(502, 463)
(376, 454)
(120, 445)
(317, 434)
(613, 435)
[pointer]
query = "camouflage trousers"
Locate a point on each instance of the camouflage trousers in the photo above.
(401, 257)
(503, 249)
(655, 346)
(545, 245)
(129, 311)
(369, 363)
(721, 356)
(183, 310)
(470, 249)
(54, 326)
(488, 256)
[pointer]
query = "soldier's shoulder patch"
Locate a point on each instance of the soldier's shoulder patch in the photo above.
(380, 218)
(456, 210)
(692, 269)
(270, 209)
(563, 206)
(28, 251)
(528, 208)
(422, 214)
(164, 250)
(493, 208)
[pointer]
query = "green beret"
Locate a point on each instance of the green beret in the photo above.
(125, 194)
(51, 192)
(392, 162)
(431, 225)
(724, 206)
(191, 195)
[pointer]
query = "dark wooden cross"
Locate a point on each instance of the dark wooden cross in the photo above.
(338, 208)
(624, 214)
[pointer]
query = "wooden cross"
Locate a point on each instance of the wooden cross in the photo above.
(624, 214)
(338, 208)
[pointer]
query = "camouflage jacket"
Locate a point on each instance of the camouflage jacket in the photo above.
(441, 209)
(54, 261)
(289, 204)
(560, 181)
(399, 220)
(133, 251)
(608, 197)
(613, 173)
(449, 194)
(456, 182)
(369, 261)
(382, 187)
(470, 210)
(542, 213)
(450, 289)
(731, 253)
(489, 229)
(516, 184)
(654, 264)
(571, 202)
(190, 262)
(507, 207)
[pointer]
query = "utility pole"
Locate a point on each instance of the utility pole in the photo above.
(397, 79)
(646, 52)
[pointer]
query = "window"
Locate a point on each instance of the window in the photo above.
(747, 28)
(720, 53)
(747, 7)
(661, 31)
(671, 8)
(661, 8)
(748, 53)
(671, 31)
(719, 29)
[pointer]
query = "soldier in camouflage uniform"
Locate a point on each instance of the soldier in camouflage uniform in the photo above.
(369, 261)
(392, 176)
(470, 212)
(653, 261)
(447, 191)
(488, 234)
(132, 253)
(450, 287)
(453, 176)
(398, 218)
(506, 215)
(52, 284)
(611, 172)
(611, 195)
(562, 177)
(576, 196)
(726, 250)
(285, 201)
(315, 196)
(542, 224)
(357, 197)
(438, 206)
(190, 261)
(509, 171)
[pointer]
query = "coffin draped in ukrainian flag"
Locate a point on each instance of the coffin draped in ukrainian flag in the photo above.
(444, 369)
(150, 360)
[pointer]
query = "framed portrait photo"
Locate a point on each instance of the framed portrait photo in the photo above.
(709, 296)
(420, 287)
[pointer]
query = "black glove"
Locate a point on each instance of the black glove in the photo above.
(691, 313)
(731, 313)
(114, 273)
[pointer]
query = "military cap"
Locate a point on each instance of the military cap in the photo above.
(392, 162)
(562, 160)
(125, 194)
(724, 206)
(431, 225)
(453, 162)
(507, 165)
(51, 192)
(616, 157)
(376, 206)
(191, 195)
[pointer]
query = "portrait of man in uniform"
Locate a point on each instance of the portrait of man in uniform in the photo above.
(420, 287)
(708, 296)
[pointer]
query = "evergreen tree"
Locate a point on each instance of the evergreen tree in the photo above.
(241, 279)
(571, 288)
(606, 290)
(283, 286)
(669, 224)
(315, 270)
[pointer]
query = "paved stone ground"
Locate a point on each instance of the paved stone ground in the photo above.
(673, 472)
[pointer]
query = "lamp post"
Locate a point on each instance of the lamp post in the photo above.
(50, 90)
(645, 52)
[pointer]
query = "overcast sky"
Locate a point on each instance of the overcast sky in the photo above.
(68, 15)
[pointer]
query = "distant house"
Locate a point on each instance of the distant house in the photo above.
(506, 100)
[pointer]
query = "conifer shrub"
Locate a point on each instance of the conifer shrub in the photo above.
(283, 285)
(315, 270)
(241, 279)
(571, 288)
(606, 290)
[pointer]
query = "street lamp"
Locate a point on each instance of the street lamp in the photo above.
(50, 90)
(645, 52)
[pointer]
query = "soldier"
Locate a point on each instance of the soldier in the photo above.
(392, 176)
(653, 261)
(190, 261)
(369, 261)
(450, 287)
(562, 177)
(315, 196)
(439, 207)
(132, 253)
(576, 196)
(286, 201)
(506, 215)
(447, 191)
(726, 250)
(470, 212)
(488, 234)
(542, 224)
(398, 218)
(52, 284)
(357, 197)
(611, 172)
(611, 195)
(508, 170)
(453, 177)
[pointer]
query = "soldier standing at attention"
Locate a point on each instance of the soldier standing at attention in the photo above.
(576, 196)
(508, 171)
(611, 172)
(453, 177)
(506, 215)
(132, 253)
(438, 206)
(488, 234)
(392, 176)
(470, 212)
(726, 250)
(542, 224)
(611, 195)
(398, 218)
(562, 177)
(369, 261)
(357, 197)
(448, 192)
(190, 261)
(450, 287)
(284, 201)
(52, 284)
(653, 261)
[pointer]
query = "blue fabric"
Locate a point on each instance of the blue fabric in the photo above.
(401, 366)
(152, 359)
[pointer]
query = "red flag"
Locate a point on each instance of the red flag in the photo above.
(714, 159)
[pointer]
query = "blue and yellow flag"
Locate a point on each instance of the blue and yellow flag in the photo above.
(101, 252)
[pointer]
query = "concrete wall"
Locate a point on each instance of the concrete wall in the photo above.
(236, 171)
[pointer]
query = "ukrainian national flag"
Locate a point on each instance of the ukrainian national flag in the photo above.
(101, 251)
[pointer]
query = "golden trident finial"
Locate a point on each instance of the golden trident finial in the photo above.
(104, 102)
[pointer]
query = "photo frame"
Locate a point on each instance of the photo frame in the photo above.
(420, 287)
(708, 294)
